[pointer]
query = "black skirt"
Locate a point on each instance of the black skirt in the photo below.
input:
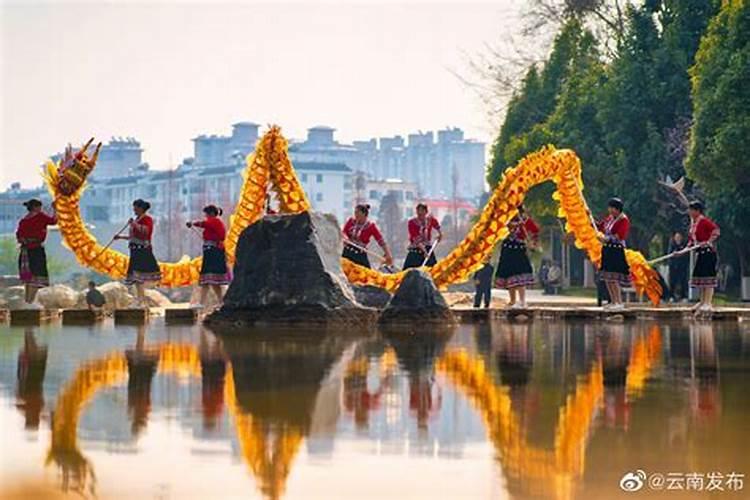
(415, 258)
(214, 269)
(514, 267)
(615, 266)
(704, 271)
(32, 267)
(356, 255)
(142, 267)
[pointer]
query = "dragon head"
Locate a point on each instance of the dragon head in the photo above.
(75, 166)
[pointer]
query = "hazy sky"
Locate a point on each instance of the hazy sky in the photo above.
(165, 72)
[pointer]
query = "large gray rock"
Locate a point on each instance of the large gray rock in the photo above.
(288, 270)
(57, 297)
(371, 296)
(417, 299)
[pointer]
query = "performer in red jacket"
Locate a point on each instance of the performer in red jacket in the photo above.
(32, 259)
(420, 238)
(514, 271)
(358, 231)
(214, 271)
(615, 271)
(142, 266)
(703, 232)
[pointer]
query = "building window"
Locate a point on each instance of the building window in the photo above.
(409, 195)
(319, 197)
(304, 177)
(374, 195)
(319, 179)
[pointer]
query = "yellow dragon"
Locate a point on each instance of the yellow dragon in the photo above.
(270, 165)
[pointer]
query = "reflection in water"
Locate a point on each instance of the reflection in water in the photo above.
(213, 373)
(705, 398)
(141, 370)
(32, 363)
(566, 407)
(416, 355)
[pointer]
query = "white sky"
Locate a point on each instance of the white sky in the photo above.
(164, 72)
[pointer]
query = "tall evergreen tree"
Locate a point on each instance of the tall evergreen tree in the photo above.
(719, 155)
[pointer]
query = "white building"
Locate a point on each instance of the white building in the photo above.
(328, 187)
(406, 194)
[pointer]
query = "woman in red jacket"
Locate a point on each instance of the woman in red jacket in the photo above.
(514, 271)
(32, 260)
(142, 266)
(358, 231)
(214, 271)
(703, 232)
(615, 271)
(420, 238)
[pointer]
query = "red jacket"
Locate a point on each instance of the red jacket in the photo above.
(141, 230)
(615, 229)
(420, 232)
(213, 230)
(32, 229)
(521, 229)
(362, 233)
(703, 230)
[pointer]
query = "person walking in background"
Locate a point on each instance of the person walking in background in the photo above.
(214, 271)
(514, 271)
(483, 284)
(420, 238)
(32, 258)
(703, 232)
(615, 271)
(678, 268)
(358, 231)
(94, 298)
(142, 267)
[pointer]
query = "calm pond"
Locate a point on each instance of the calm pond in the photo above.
(499, 410)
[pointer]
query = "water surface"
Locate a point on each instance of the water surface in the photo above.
(499, 410)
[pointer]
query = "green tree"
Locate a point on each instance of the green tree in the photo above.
(9, 259)
(8, 256)
(719, 146)
(537, 97)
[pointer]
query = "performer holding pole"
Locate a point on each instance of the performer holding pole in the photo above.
(615, 271)
(214, 271)
(142, 267)
(32, 258)
(358, 231)
(514, 271)
(703, 232)
(420, 239)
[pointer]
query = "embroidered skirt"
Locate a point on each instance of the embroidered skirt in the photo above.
(415, 258)
(615, 266)
(514, 267)
(214, 269)
(356, 255)
(704, 271)
(32, 267)
(142, 267)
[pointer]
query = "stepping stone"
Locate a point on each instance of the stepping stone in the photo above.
(82, 316)
(131, 316)
(181, 316)
(32, 317)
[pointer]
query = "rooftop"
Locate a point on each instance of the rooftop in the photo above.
(314, 165)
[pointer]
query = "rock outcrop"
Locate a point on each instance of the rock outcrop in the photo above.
(57, 297)
(288, 270)
(371, 296)
(417, 299)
